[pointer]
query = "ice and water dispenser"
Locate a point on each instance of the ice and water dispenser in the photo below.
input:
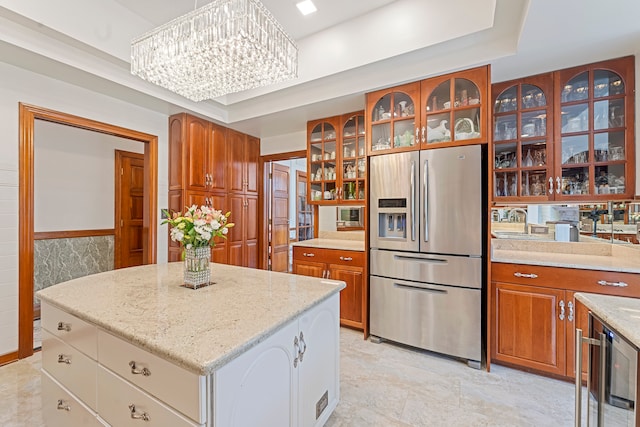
(392, 219)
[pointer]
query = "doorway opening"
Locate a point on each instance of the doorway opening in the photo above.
(288, 217)
(26, 234)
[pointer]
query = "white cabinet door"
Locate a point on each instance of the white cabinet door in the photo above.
(260, 387)
(319, 370)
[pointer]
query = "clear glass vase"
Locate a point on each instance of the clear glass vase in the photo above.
(197, 270)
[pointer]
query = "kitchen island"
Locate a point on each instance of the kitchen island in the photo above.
(256, 348)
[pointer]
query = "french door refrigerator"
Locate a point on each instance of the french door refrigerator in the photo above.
(427, 241)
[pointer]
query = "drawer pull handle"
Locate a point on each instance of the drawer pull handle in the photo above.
(570, 305)
(526, 275)
(561, 315)
(64, 326)
(346, 258)
(296, 351)
(64, 359)
(138, 415)
(303, 347)
(616, 284)
(135, 371)
(308, 254)
(62, 406)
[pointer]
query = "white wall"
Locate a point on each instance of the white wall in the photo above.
(73, 164)
(284, 143)
(19, 85)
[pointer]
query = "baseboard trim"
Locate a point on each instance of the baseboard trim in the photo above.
(8, 358)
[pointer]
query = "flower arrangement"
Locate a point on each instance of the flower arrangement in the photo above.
(198, 226)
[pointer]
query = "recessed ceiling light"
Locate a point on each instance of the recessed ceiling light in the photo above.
(306, 7)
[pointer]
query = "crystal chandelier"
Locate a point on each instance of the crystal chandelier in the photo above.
(224, 47)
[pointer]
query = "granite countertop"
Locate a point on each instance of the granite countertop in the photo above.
(588, 256)
(347, 245)
(199, 330)
(619, 313)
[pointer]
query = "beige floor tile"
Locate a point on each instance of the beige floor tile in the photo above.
(383, 385)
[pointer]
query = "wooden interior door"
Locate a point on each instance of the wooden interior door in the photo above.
(279, 239)
(129, 191)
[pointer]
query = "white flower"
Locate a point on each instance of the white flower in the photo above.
(177, 235)
(215, 224)
(199, 222)
(225, 230)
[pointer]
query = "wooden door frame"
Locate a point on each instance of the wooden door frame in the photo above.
(117, 215)
(27, 116)
(266, 191)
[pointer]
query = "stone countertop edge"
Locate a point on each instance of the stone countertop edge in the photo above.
(346, 245)
(620, 313)
(176, 334)
(584, 262)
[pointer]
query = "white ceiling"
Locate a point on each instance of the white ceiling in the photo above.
(346, 49)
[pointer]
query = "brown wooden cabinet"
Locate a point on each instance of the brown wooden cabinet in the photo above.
(337, 264)
(218, 167)
(534, 316)
(441, 111)
(522, 148)
(336, 160)
(566, 135)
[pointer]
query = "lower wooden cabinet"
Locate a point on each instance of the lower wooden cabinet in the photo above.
(348, 266)
(534, 314)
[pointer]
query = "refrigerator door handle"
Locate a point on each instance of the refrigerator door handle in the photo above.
(419, 288)
(413, 201)
(429, 260)
(425, 212)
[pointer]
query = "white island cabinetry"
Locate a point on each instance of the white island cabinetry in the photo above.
(290, 380)
(279, 366)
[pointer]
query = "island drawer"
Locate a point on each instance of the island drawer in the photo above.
(72, 330)
(184, 390)
(70, 367)
(329, 256)
(573, 279)
(122, 404)
(61, 409)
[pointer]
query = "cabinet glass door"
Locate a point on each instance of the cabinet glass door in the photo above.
(593, 135)
(353, 159)
(393, 121)
(520, 142)
(323, 161)
(452, 112)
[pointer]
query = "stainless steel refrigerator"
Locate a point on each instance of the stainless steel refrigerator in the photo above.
(427, 239)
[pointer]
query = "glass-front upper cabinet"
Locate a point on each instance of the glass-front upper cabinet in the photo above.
(522, 137)
(392, 116)
(353, 160)
(594, 132)
(322, 159)
(454, 109)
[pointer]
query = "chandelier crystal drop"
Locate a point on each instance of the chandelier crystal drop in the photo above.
(224, 47)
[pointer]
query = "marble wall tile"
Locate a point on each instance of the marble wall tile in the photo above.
(59, 260)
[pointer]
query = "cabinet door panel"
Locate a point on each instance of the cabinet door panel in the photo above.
(176, 143)
(528, 330)
(309, 268)
(579, 320)
(351, 296)
(260, 387)
(236, 147)
(319, 368)
(197, 153)
(252, 156)
(218, 146)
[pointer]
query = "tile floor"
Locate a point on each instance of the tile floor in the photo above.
(381, 385)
